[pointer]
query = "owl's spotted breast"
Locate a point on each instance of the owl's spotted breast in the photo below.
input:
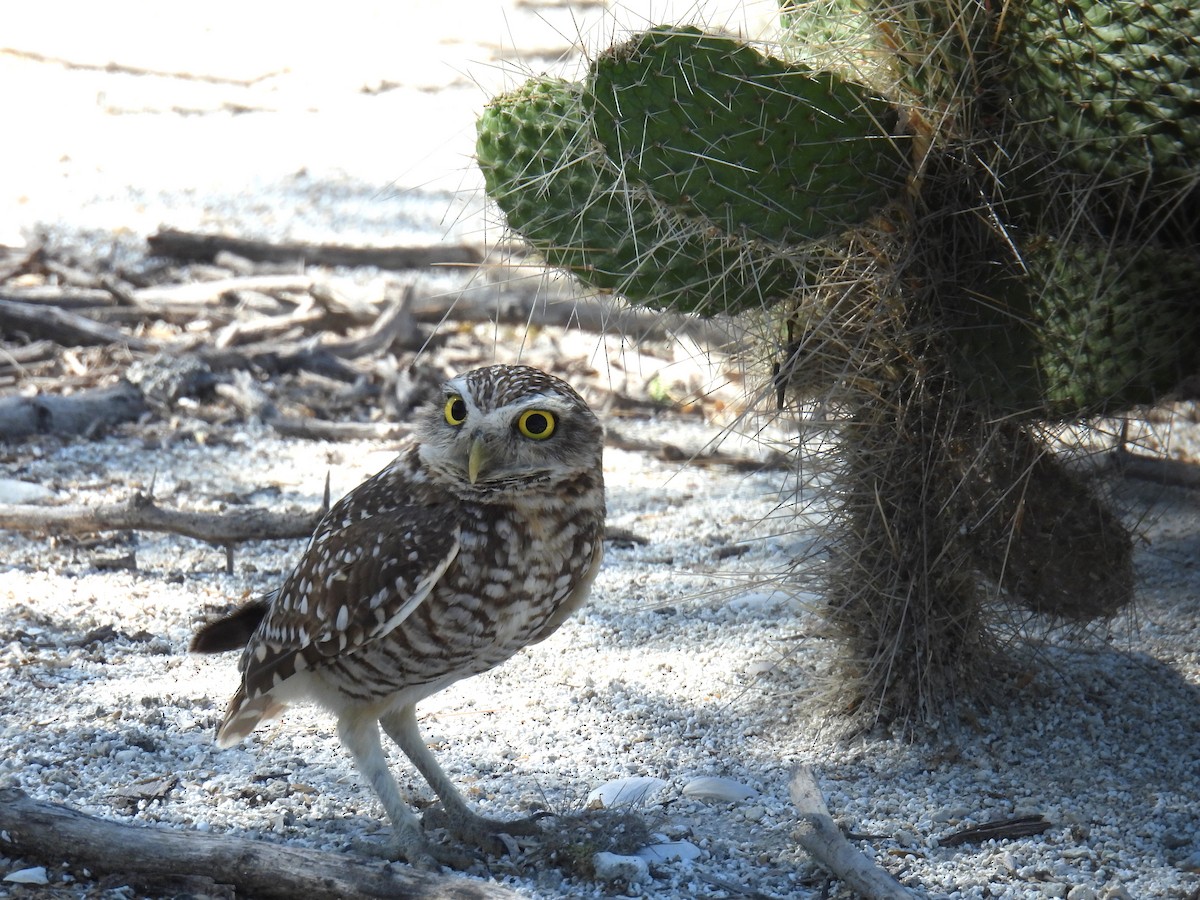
(512, 574)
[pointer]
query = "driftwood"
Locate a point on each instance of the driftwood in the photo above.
(529, 301)
(824, 841)
(14, 358)
(252, 868)
(62, 326)
(83, 413)
(142, 514)
(60, 296)
(186, 297)
(186, 245)
(1003, 829)
(321, 430)
(1157, 470)
(394, 324)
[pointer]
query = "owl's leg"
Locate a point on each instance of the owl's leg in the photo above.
(360, 735)
(460, 820)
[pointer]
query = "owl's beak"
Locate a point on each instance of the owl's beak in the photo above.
(477, 459)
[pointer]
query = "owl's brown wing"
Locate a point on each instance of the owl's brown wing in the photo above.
(356, 581)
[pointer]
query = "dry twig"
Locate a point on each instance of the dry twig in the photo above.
(142, 514)
(821, 837)
(190, 246)
(161, 857)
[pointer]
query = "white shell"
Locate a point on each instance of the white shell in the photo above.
(611, 867)
(633, 791)
(32, 875)
(13, 491)
(668, 851)
(724, 790)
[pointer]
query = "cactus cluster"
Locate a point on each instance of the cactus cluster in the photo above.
(985, 219)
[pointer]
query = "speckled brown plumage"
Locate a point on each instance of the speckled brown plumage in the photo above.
(479, 539)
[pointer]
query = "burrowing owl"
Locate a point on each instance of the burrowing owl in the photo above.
(480, 538)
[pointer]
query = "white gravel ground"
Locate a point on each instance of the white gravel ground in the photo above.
(689, 662)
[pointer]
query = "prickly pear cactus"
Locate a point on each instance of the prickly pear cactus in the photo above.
(981, 218)
(557, 187)
(1111, 89)
(753, 146)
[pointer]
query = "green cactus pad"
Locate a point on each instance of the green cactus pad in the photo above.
(746, 142)
(557, 189)
(1083, 329)
(1117, 326)
(1111, 87)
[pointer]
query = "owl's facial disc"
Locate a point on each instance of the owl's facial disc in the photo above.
(523, 441)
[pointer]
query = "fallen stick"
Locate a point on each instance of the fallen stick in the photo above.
(205, 247)
(63, 327)
(140, 513)
(73, 414)
(531, 302)
(254, 868)
(16, 356)
(323, 430)
(59, 296)
(820, 836)
(394, 323)
(1158, 470)
(203, 293)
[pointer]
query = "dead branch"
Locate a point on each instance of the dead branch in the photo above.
(63, 297)
(253, 868)
(204, 247)
(274, 356)
(706, 458)
(1157, 470)
(14, 357)
(73, 414)
(281, 344)
(205, 293)
(393, 324)
(140, 513)
(1017, 827)
(66, 328)
(532, 301)
(249, 399)
(268, 326)
(321, 430)
(821, 837)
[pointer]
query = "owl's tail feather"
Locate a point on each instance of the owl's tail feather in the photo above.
(245, 715)
(231, 632)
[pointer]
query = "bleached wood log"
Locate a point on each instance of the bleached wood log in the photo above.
(252, 868)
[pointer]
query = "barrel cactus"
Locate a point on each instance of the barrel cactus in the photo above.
(980, 218)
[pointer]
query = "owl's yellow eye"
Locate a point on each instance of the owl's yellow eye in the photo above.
(536, 423)
(455, 410)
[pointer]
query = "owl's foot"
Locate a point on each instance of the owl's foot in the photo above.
(411, 846)
(479, 831)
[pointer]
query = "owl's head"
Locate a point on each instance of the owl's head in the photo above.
(508, 427)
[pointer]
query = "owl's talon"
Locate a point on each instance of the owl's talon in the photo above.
(421, 853)
(480, 831)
